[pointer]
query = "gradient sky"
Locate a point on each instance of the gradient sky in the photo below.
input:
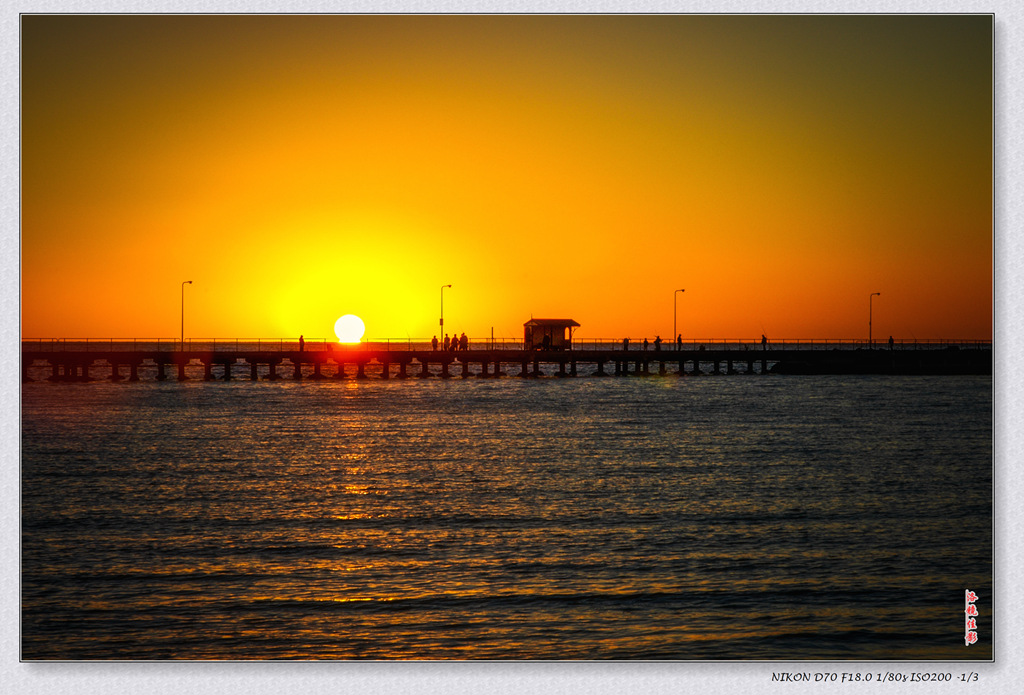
(779, 168)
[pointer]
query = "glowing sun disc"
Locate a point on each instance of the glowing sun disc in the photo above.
(349, 328)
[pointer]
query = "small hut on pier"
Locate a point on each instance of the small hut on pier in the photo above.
(548, 334)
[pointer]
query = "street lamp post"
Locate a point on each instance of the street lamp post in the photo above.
(442, 307)
(871, 296)
(674, 296)
(187, 282)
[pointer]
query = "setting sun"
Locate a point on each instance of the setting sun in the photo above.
(349, 328)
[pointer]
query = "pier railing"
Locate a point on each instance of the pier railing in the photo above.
(396, 345)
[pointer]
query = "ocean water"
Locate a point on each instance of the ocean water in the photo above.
(695, 518)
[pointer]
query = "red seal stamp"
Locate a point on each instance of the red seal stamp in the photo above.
(970, 618)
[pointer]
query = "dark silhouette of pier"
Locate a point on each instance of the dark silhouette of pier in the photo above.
(360, 362)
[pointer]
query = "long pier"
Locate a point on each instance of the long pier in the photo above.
(358, 362)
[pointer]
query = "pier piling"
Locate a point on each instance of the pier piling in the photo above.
(74, 365)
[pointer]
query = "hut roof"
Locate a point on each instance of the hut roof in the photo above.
(551, 322)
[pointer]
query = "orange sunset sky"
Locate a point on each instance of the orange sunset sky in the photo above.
(297, 168)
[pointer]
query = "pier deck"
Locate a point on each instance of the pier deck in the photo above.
(360, 362)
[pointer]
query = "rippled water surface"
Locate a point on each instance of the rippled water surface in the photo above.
(742, 517)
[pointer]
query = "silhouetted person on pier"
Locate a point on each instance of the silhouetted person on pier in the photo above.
(463, 342)
(679, 342)
(625, 343)
(764, 342)
(657, 343)
(447, 343)
(433, 343)
(890, 342)
(645, 344)
(302, 344)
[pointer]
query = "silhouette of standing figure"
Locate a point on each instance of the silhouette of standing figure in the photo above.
(890, 342)
(433, 343)
(764, 342)
(679, 342)
(645, 344)
(657, 343)
(302, 344)
(447, 343)
(625, 343)
(463, 342)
